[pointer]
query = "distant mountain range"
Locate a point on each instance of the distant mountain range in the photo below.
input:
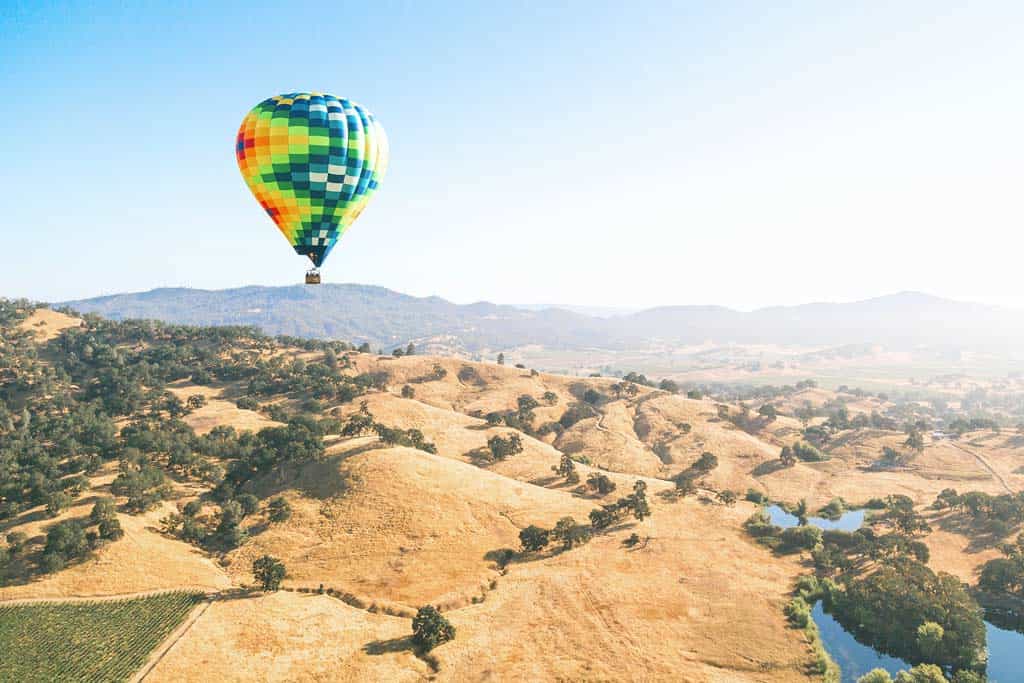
(386, 318)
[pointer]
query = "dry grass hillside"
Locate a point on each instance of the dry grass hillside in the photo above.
(46, 324)
(403, 526)
(143, 560)
(390, 528)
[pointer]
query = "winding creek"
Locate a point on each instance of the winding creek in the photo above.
(1005, 645)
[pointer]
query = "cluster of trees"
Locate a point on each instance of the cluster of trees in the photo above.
(45, 453)
(430, 629)
(566, 468)
(566, 531)
(326, 381)
(800, 450)
(362, 422)
(891, 457)
(635, 504)
(883, 592)
(703, 465)
(900, 513)
(271, 449)
(748, 420)
(437, 373)
(922, 673)
(929, 638)
(600, 483)
(913, 625)
(409, 350)
(839, 419)
(997, 514)
(68, 541)
(1005, 574)
(468, 375)
(844, 551)
(502, 447)
(889, 606)
(521, 417)
(958, 426)
(570, 533)
(411, 438)
(140, 481)
(269, 572)
(52, 433)
(59, 424)
(686, 481)
(57, 418)
(573, 413)
(669, 385)
(626, 388)
(747, 392)
(833, 510)
(223, 530)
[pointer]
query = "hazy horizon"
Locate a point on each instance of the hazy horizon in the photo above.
(686, 154)
(587, 309)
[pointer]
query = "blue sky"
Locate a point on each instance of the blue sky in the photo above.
(602, 154)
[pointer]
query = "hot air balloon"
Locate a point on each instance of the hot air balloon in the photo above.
(312, 161)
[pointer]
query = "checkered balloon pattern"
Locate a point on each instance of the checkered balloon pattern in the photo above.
(313, 161)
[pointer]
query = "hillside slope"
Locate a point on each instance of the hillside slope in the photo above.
(399, 496)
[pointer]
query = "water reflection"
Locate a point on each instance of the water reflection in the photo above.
(855, 659)
(1005, 649)
(851, 520)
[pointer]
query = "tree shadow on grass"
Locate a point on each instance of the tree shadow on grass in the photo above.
(501, 557)
(258, 528)
(396, 645)
(381, 647)
(239, 593)
(547, 480)
(320, 479)
(768, 467)
(481, 457)
(24, 518)
(980, 537)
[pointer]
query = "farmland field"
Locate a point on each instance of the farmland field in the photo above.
(87, 641)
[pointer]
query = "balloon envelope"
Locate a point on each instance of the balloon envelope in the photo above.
(312, 161)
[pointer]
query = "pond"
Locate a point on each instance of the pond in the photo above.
(855, 659)
(851, 520)
(1005, 654)
(1005, 651)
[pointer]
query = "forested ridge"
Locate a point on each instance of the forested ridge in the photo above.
(98, 393)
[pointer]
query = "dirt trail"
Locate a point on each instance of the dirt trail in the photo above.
(985, 464)
(601, 428)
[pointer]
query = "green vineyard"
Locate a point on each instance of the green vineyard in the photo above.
(87, 641)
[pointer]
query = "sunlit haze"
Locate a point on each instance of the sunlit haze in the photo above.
(593, 155)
